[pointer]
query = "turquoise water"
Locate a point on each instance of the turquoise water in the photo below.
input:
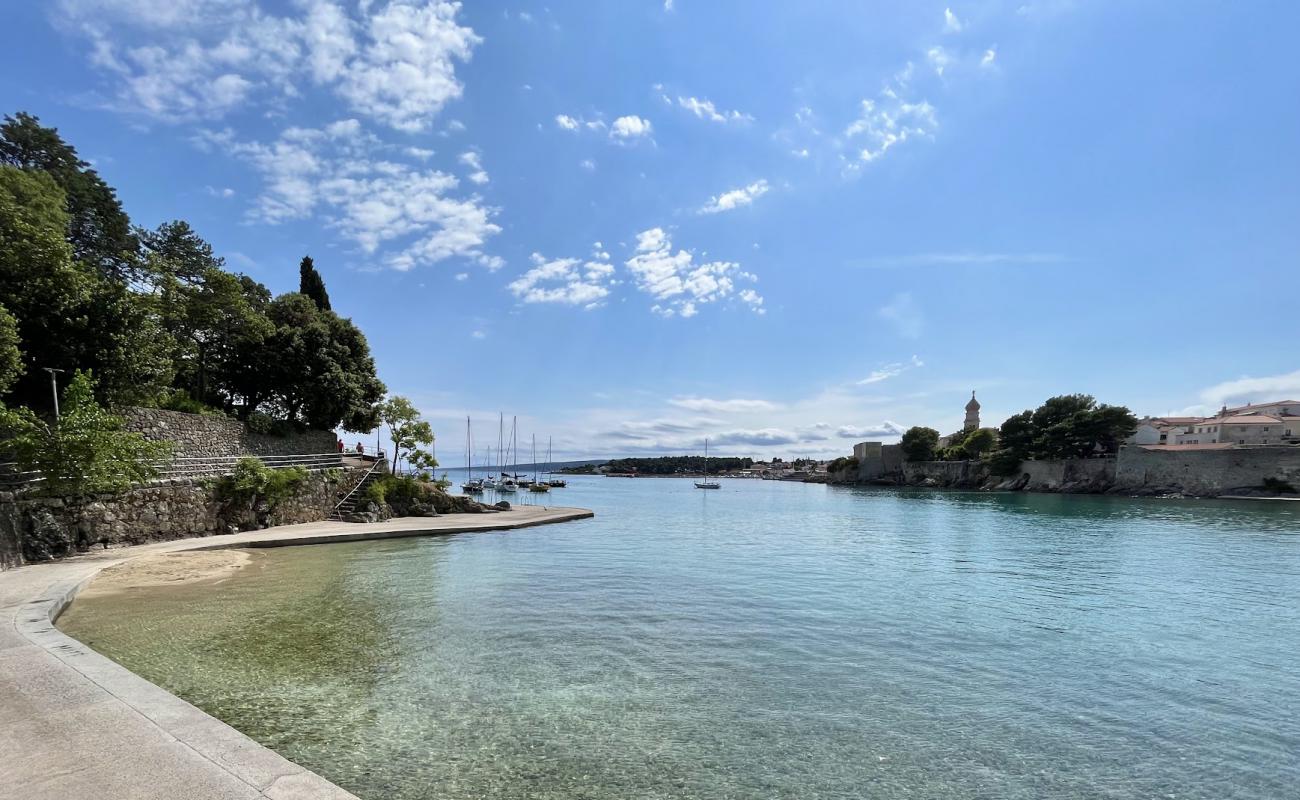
(770, 640)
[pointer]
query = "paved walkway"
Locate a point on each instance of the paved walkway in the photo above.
(74, 724)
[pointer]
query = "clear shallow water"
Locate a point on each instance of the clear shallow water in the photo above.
(769, 640)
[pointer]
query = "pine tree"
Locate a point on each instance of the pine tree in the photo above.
(311, 284)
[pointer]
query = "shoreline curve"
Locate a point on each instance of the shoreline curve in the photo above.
(74, 723)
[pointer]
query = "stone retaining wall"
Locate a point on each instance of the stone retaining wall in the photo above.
(212, 436)
(44, 528)
(1206, 472)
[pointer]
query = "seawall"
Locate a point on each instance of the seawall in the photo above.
(1135, 470)
(34, 529)
(214, 436)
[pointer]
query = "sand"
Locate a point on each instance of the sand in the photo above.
(171, 569)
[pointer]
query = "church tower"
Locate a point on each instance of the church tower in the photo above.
(972, 413)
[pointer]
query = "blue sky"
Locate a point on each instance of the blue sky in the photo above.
(787, 227)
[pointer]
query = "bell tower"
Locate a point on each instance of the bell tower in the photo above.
(972, 413)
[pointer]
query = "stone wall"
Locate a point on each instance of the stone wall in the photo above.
(212, 436)
(43, 528)
(1206, 472)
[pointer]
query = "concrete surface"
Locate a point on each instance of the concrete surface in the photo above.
(74, 724)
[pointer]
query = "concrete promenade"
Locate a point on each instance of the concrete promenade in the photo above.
(74, 724)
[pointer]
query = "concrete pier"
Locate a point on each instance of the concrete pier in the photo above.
(74, 724)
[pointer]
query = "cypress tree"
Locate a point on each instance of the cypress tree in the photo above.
(311, 284)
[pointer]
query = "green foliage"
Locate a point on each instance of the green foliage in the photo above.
(978, 442)
(407, 430)
(843, 464)
(1004, 462)
(11, 358)
(180, 400)
(251, 480)
(920, 444)
(97, 228)
(311, 284)
(151, 310)
(86, 451)
(679, 465)
(1066, 426)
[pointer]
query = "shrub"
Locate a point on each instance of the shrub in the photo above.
(252, 479)
(843, 464)
(85, 451)
(1004, 463)
(180, 400)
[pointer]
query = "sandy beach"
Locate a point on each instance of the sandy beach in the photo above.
(171, 569)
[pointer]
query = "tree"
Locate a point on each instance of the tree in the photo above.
(406, 429)
(978, 442)
(1016, 436)
(1066, 426)
(11, 358)
(85, 451)
(321, 371)
(312, 284)
(175, 250)
(97, 228)
(919, 444)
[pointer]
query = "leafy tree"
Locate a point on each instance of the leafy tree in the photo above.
(97, 227)
(978, 442)
(320, 365)
(919, 444)
(311, 284)
(11, 358)
(406, 429)
(85, 451)
(175, 250)
(1017, 434)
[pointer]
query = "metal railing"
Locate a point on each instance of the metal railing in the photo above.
(195, 467)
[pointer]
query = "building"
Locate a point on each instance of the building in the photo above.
(1242, 429)
(972, 414)
(1161, 430)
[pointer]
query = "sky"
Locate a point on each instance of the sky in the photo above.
(786, 227)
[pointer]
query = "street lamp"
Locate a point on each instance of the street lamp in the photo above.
(54, 387)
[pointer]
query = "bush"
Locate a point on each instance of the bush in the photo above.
(1004, 463)
(398, 490)
(85, 451)
(180, 400)
(843, 464)
(252, 479)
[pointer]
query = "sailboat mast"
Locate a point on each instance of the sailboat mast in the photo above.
(469, 457)
(501, 432)
(534, 458)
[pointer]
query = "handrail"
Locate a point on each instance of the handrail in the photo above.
(184, 467)
(358, 485)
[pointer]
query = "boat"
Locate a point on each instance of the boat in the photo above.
(535, 485)
(552, 481)
(509, 484)
(706, 483)
(470, 486)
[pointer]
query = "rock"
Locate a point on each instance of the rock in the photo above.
(502, 505)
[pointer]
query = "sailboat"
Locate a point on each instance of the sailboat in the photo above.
(488, 482)
(508, 484)
(554, 482)
(706, 483)
(470, 486)
(536, 485)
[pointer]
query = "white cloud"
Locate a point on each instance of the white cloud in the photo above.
(885, 428)
(1253, 390)
(568, 281)
(903, 313)
(708, 404)
(420, 153)
(735, 198)
(224, 192)
(990, 55)
(630, 127)
(462, 276)
(405, 215)
(678, 282)
(474, 161)
(889, 122)
(668, 5)
(478, 334)
(587, 164)
(704, 109)
(893, 370)
(762, 437)
(950, 22)
(566, 122)
(939, 59)
(200, 59)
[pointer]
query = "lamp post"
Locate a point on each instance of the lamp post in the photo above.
(54, 388)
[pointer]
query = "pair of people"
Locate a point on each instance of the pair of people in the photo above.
(361, 449)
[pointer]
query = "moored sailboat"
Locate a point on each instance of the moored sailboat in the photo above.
(706, 483)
